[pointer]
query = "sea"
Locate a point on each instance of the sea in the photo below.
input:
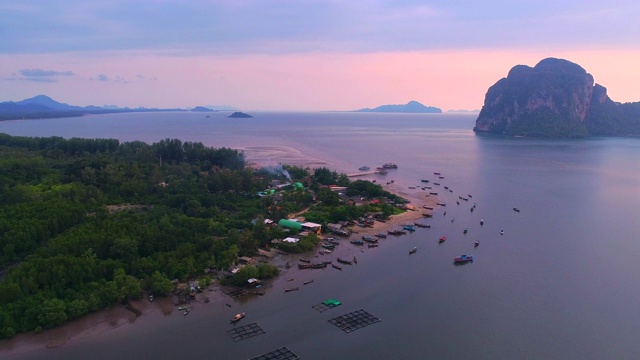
(561, 282)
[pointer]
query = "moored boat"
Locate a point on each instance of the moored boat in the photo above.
(396, 232)
(372, 245)
(357, 242)
(336, 266)
(364, 168)
(463, 259)
(422, 225)
(409, 227)
(305, 260)
(442, 239)
(476, 244)
(291, 289)
(390, 166)
(343, 261)
(381, 235)
(413, 251)
(237, 317)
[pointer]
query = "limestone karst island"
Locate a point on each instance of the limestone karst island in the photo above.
(555, 98)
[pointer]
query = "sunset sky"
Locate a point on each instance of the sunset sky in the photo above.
(304, 55)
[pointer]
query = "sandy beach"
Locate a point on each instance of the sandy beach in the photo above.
(97, 323)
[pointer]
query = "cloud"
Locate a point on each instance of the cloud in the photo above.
(101, 77)
(40, 75)
(286, 27)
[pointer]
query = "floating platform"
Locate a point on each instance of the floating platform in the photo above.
(234, 291)
(326, 305)
(245, 332)
(279, 354)
(354, 320)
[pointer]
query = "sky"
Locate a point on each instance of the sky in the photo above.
(304, 55)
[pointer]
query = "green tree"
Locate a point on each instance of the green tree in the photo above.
(52, 313)
(160, 284)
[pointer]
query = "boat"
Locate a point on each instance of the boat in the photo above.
(476, 244)
(441, 204)
(336, 267)
(413, 251)
(424, 180)
(442, 239)
(291, 289)
(381, 235)
(396, 232)
(355, 261)
(364, 168)
(516, 209)
(333, 241)
(186, 312)
(436, 173)
(321, 265)
(481, 222)
(427, 215)
(372, 245)
(446, 188)
(427, 207)
(390, 166)
(305, 260)
(325, 251)
(237, 317)
(422, 225)
(469, 195)
(357, 242)
(304, 266)
(409, 227)
(328, 246)
(501, 232)
(343, 261)
(433, 193)
(307, 282)
(462, 259)
(259, 292)
(465, 230)
(369, 239)
(435, 183)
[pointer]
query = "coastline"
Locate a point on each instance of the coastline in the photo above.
(100, 322)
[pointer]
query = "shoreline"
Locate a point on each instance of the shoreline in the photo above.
(106, 320)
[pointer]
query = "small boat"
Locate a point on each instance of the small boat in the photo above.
(305, 260)
(441, 204)
(442, 239)
(469, 195)
(336, 267)
(325, 251)
(333, 241)
(409, 227)
(436, 173)
(357, 242)
(427, 207)
(476, 244)
(291, 289)
(321, 265)
(413, 251)
(396, 232)
(412, 187)
(435, 183)
(440, 177)
(422, 225)
(307, 282)
(183, 308)
(516, 209)
(433, 193)
(381, 235)
(463, 259)
(372, 245)
(481, 222)
(427, 215)
(328, 246)
(304, 266)
(501, 232)
(369, 239)
(237, 317)
(342, 261)
(390, 166)
(446, 188)
(355, 261)
(186, 312)
(259, 292)
(228, 305)
(364, 168)
(465, 230)
(424, 180)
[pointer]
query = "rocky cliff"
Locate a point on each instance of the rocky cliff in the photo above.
(555, 98)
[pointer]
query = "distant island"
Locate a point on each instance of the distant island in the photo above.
(42, 107)
(202, 109)
(556, 98)
(410, 107)
(239, 114)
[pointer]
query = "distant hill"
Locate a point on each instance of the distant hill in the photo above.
(556, 98)
(222, 107)
(410, 107)
(42, 106)
(239, 114)
(202, 109)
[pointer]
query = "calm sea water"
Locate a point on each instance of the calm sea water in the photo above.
(561, 283)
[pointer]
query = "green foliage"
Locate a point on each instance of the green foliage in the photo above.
(545, 123)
